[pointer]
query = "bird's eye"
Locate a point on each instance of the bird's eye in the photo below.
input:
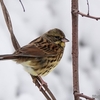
(57, 37)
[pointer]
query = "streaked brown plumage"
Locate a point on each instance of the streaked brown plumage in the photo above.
(41, 55)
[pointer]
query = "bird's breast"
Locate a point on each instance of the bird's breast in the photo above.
(41, 66)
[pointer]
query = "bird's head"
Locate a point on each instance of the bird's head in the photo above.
(56, 36)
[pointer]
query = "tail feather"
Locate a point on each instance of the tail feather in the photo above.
(7, 57)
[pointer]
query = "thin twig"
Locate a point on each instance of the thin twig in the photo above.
(88, 7)
(47, 93)
(22, 5)
(84, 96)
(85, 15)
(89, 16)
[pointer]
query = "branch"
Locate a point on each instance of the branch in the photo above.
(86, 15)
(38, 85)
(44, 89)
(84, 96)
(47, 93)
(88, 7)
(22, 5)
(75, 49)
(9, 25)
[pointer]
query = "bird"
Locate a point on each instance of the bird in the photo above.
(41, 55)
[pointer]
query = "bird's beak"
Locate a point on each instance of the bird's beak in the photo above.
(65, 40)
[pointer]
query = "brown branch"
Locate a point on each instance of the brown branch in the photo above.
(47, 93)
(38, 85)
(75, 13)
(48, 90)
(75, 49)
(9, 25)
(84, 96)
(86, 15)
(43, 89)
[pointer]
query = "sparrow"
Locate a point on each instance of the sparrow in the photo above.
(41, 55)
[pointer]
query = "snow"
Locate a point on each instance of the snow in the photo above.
(39, 17)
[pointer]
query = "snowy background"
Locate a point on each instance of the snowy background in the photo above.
(39, 17)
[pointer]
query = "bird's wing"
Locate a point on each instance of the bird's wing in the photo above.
(31, 50)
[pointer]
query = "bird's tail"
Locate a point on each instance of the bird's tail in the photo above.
(7, 57)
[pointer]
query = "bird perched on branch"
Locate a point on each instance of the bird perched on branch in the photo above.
(41, 55)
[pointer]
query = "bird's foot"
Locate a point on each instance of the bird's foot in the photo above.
(43, 83)
(40, 80)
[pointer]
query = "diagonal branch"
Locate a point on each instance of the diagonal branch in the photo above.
(47, 93)
(45, 90)
(9, 25)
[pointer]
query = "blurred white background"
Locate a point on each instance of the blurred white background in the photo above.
(39, 17)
